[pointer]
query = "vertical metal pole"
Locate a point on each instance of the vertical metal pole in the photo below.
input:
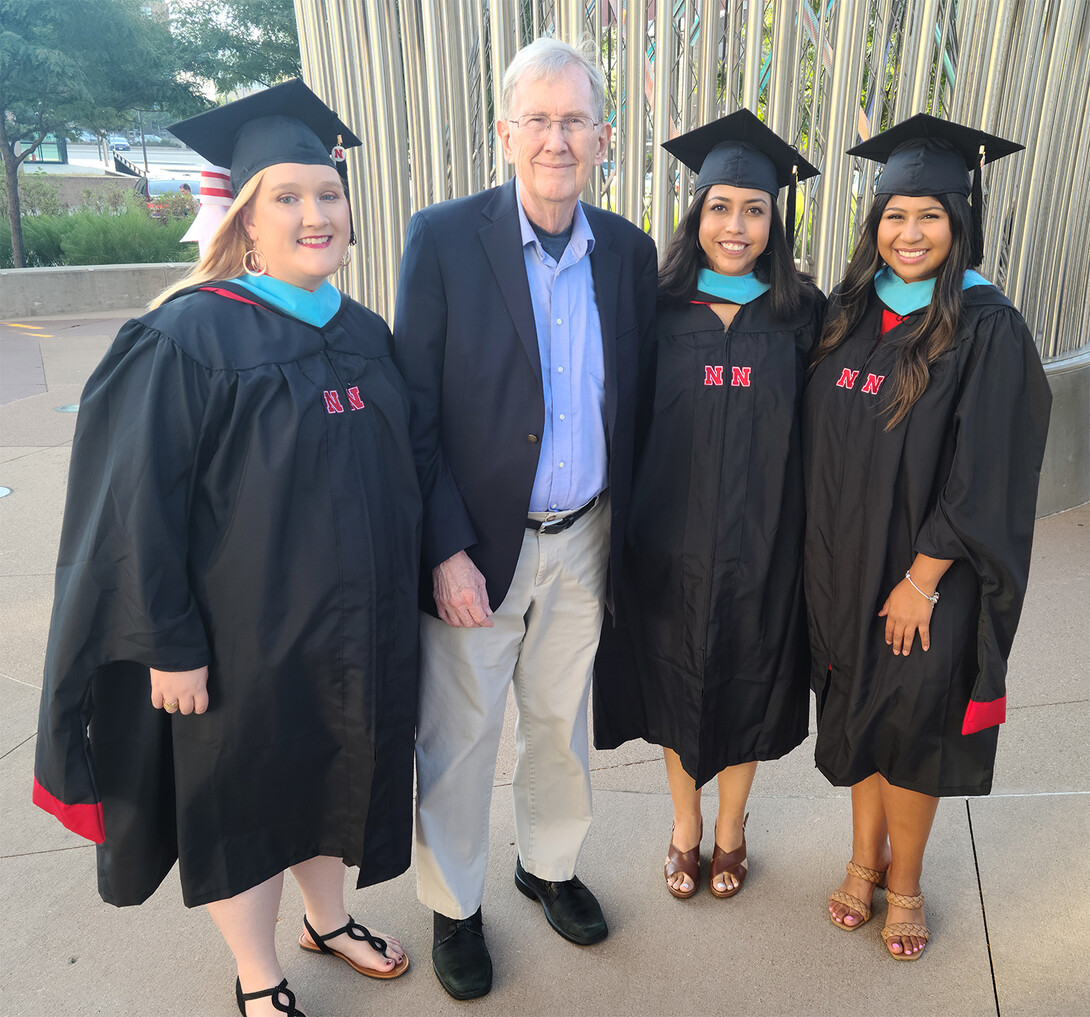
(711, 21)
(504, 44)
(661, 210)
(924, 38)
(842, 102)
(631, 145)
(751, 72)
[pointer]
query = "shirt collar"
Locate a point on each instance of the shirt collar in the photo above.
(582, 238)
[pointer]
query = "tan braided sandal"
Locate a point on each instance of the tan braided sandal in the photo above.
(853, 903)
(897, 930)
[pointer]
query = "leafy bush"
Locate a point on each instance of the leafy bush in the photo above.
(43, 236)
(39, 194)
(41, 242)
(173, 206)
(128, 236)
(97, 201)
(132, 237)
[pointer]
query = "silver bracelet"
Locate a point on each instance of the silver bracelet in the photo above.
(933, 597)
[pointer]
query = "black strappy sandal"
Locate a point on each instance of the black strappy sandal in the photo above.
(276, 992)
(359, 933)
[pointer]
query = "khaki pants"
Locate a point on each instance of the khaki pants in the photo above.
(543, 642)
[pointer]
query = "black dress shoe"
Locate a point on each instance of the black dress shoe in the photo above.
(460, 957)
(569, 906)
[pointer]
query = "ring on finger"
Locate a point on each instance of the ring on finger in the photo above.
(171, 707)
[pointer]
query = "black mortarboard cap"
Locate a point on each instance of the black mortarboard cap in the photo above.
(741, 151)
(925, 155)
(285, 123)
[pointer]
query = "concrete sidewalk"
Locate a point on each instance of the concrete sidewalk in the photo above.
(1007, 898)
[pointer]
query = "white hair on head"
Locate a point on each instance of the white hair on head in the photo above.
(544, 59)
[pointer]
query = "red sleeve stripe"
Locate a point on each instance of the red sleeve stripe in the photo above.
(978, 716)
(86, 820)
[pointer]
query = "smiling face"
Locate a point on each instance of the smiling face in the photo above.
(914, 236)
(553, 169)
(299, 220)
(734, 225)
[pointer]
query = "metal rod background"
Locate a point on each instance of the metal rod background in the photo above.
(420, 83)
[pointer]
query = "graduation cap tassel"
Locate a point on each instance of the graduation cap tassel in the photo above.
(977, 254)
(789, 218)
(341, 162)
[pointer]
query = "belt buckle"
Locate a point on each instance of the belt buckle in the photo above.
(555, 525)
(558, 525)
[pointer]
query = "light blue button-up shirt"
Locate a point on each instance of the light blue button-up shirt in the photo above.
(573, 462)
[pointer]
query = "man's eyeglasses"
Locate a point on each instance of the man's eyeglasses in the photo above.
(537, 125)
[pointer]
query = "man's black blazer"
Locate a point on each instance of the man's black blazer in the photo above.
(466, 344)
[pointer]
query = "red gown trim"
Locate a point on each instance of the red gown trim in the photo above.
(228, 293)
(978, 716)
(86, 820)
(890, 320)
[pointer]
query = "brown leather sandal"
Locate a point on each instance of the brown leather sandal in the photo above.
(730, 863)
(897, 930)
(853, 903)
(685, 862)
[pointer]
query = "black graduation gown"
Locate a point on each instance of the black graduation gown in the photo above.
(709, 656)
(956, 479)
(241, 494)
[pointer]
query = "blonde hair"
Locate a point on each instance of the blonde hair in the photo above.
(222, 258)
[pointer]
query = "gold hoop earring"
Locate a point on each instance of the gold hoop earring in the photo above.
(254, 262)
(346, 258)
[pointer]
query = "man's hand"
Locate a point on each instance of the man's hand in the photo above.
(460, 595)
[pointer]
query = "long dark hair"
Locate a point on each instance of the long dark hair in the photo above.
(935, 334)
(684, 257)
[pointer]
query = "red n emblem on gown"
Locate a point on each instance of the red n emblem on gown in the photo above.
(354, 399)
(713, 375)
(874, 383)
(847, 379)
(740, 376)
(332, 401)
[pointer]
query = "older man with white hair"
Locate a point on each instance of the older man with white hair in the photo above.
(521, 317)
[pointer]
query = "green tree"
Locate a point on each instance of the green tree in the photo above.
(77, 61)
(237, 43)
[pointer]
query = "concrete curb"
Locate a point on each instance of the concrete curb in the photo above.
(32, 292)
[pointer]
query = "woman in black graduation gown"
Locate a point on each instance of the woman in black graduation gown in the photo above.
(709, 658)
(231, 670)
(925, 418)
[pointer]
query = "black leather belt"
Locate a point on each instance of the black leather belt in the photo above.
(558, 525)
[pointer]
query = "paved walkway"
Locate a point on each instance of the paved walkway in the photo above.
(1008, 902)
